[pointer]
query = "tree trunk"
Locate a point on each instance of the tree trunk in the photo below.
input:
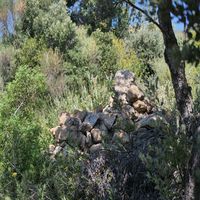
(183, 97)
(182, 94)
(176, 65)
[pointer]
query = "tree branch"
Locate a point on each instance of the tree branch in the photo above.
(145, 13)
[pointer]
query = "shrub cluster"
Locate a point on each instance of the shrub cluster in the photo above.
(51, 65)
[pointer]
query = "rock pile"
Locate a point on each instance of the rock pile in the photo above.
(128, 108)
(129, 101)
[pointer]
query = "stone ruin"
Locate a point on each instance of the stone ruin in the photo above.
(114, 138)
(128, 110)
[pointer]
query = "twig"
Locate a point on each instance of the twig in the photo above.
(21, 104)
(145, 13)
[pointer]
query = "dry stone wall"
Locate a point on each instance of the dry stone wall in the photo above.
(128, 109)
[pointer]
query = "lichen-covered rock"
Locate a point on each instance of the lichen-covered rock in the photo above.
(122, 82)
(140, 106)
(124, 78)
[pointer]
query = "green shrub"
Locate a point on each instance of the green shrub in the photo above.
(166, 163)
(52, 66)
(25, 168)
(99, 55)
(147, 42)
(30, 53)
(48, 20)
(126, 57)
(20, 147)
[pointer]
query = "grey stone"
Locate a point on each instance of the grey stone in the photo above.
(96, 148)
(73, 121)
(124, 77)
(62, 135)
(128, 112)
(57, 150)
(51, 148)
(108, 119)
(134, 94)
(122, 82)
(140, 106)
(152, 121)
(88, 139)
(89, 122)
(55, 131)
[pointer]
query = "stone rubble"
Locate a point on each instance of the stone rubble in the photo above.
(87, 130)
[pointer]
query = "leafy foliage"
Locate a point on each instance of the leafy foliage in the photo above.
(147, 42)
(105, 15)
(63, 58)
(30, 52)
(20, 148)
(49, 20)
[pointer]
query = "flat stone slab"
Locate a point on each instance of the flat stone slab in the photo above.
(152, 121)
(89, 122)
(108, 119)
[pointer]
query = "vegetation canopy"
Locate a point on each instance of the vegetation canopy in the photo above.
(122, 77)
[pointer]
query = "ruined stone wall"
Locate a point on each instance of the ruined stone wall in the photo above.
(129, 121)
(128, 110)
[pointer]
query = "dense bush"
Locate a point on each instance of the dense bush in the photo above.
(147, 43)
(20, 147)
(7, 65)
(49, 20)
(52, 66)
(99, 55)
(30, 52)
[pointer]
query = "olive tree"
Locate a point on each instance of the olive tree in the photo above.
(188, 13)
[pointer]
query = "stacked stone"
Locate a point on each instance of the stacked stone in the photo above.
(83, 129)
(88, 130)
(129, 100)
